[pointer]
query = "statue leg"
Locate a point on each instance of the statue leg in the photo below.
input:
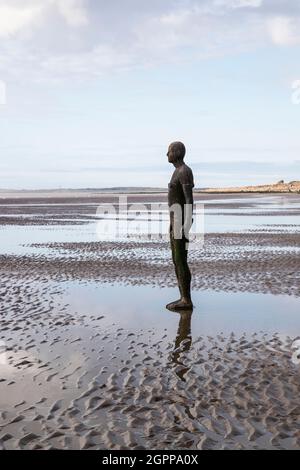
(173, 248)
(183, 274)
(182, 267)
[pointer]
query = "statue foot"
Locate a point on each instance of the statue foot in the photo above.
(181, 304)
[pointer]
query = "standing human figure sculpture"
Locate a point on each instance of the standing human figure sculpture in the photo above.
(180, 200)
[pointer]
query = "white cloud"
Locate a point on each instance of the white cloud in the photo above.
(14, 18)
(73, 11)
(239, 3)
(49, 39)
(17, 15)
(284, 31)
(91, 63)
(175, 18)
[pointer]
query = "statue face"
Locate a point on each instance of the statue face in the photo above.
(174, 153)
(171, 154)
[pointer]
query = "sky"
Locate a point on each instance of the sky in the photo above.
(93, 91)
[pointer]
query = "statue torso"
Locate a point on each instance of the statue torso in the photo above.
(181, 175)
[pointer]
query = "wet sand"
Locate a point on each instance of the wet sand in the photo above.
(78, 379)
(252, 262)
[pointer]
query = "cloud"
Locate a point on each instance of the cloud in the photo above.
(239, 3)
(73, 11)
(91, 63)
(46, 39)
(16, 16)
(284, 30)
(176, 18)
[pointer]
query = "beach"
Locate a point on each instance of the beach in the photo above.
(91, 359)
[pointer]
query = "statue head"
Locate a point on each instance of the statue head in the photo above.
(176, 152)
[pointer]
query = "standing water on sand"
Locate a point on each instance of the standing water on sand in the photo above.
(93, 360)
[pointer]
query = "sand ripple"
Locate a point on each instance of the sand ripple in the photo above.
(85, 384)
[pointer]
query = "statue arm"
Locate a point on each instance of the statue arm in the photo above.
(188, 193)
(187, 182)
(189, 206)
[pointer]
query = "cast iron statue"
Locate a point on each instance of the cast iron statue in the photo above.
(180, 200)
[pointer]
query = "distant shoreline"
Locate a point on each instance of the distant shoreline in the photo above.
(277, 188)
(280, 187)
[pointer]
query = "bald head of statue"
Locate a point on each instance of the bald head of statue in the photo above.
(176, 152)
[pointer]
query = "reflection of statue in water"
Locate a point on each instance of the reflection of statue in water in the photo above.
(183, 341)
(180, 199)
